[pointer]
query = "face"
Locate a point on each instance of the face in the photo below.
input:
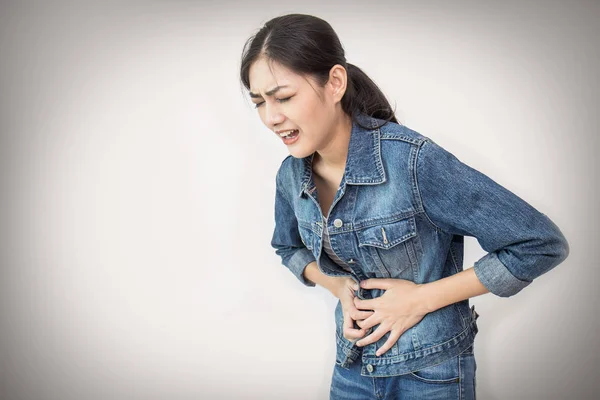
(294, 104)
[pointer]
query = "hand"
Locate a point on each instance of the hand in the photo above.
(396, 310)
(345, 292)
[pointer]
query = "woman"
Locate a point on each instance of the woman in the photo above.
(376, 213)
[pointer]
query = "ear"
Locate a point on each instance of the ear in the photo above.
(338, 79)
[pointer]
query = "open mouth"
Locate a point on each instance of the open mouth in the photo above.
(289, 133)
(290, 137)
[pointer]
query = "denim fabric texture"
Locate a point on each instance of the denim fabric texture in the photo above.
(453, 379)
(402, 210)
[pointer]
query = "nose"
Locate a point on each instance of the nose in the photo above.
(274, 116)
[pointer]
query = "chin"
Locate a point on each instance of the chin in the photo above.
(299, 153)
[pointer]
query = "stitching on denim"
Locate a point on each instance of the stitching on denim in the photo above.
(460, 377)
(380, 169)
(367, 223)
(388, 245)
(454, 261)
(420, 198)
(388, 136)
(469, 331)
(449, 380)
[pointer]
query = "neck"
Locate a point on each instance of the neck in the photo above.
(333, 155)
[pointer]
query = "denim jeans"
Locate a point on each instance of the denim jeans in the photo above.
(449, 380)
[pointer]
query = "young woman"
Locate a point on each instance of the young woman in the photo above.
(376, 213)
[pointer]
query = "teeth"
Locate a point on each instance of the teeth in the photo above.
(286, 133)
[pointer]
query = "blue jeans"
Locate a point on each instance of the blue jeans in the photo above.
(450, 380)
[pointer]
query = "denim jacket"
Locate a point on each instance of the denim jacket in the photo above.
(402, 210)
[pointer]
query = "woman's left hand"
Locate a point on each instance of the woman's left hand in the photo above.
(400, 307)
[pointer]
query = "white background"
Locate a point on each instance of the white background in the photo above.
(138, 188)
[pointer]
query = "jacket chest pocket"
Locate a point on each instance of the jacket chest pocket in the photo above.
(389, 248)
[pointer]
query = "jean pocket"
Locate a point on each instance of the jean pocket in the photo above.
(445, 372)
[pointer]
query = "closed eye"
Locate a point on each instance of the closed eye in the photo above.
(279, 100)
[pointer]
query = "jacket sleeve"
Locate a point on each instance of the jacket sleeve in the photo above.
(286, 238)
(522, 243)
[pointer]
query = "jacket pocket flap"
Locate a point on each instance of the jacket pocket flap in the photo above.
(387, 235)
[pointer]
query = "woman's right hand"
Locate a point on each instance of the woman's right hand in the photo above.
(346, 293)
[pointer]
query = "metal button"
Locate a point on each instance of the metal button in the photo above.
(369, 368)
(338, 223)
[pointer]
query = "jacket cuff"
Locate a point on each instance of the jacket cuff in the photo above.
(494, 275)
(298, 262)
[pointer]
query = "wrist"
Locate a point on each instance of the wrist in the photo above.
(336, 285)
(427, 300)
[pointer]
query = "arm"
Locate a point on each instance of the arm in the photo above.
(331, 283)
(522, 243)
(451, 289)
(294, 255)
(286, 238)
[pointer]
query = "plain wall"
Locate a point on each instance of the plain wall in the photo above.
(138, 185)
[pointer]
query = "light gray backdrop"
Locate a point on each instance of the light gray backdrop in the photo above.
(137, 192)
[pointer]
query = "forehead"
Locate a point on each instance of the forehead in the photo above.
(266, 74)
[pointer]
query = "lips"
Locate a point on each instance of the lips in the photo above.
(292, 137)
(285, 132)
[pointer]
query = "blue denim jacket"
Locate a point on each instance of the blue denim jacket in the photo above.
(402, 210)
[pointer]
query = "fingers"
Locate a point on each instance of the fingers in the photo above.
(374, 336)
(349, 332)
(358, 315)
(353, 334)
(367, 304)
(355, 313)
(393, 338)
(368, 322)
(377, 283)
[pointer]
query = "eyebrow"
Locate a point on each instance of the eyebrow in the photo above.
(268, 92)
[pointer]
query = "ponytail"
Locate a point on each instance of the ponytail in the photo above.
(363, 95)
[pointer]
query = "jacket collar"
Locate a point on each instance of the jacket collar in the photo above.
(363, 162)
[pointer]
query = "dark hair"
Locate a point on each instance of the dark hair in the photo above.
(308, 45)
